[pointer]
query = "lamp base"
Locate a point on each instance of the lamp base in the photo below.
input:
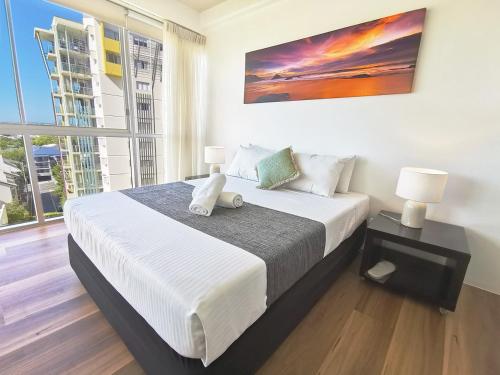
(413, 215)
(214, 168)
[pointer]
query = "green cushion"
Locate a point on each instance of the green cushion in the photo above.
(277, 169)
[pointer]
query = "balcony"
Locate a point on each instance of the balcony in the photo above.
(75, 45)
(54, 73)
(79, 91)
(113, 69)
(76, 68)
(86, 122)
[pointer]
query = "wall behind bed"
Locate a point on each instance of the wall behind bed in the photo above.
(451, 121)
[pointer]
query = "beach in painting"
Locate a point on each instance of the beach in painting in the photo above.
(373, 58)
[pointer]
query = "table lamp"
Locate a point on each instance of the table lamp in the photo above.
(214, 155)
(419, 186)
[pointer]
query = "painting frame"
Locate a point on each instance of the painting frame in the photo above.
(377, 57)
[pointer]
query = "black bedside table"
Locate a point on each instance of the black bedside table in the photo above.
(196, 177)
(430, 262)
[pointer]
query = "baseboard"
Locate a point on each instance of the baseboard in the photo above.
(482, 288)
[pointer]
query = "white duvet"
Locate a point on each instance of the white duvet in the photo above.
(197, 292)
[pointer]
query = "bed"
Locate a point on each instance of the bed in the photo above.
(196, 295)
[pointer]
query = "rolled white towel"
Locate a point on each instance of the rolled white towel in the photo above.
(226, 199)
(203, 203)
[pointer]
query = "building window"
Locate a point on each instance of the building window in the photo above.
(111, 34)
(138, 41)
(113, 57)
(144, 106)
(142, 86)
(141, 64)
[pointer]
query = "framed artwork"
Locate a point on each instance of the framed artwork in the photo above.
(372, 58)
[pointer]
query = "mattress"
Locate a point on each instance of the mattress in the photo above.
(199, 294)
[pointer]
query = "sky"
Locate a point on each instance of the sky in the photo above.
(386, 41)
(26, 15)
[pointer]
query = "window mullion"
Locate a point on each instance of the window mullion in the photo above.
(130, 115)
(28, 146)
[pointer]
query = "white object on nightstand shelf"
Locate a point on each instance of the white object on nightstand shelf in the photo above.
(381, 271)
(419, 186)
(215, 155)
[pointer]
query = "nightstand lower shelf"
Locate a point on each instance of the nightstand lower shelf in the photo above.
(417, 277)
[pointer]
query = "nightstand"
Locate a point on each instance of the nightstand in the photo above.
(430, 262)
(196, 177)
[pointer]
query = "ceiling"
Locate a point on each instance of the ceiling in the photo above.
(201, 5)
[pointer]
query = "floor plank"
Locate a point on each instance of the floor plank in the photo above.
(472, 334)
(417, 345)
(28, 296)
(355, 353)
(31, 235)
(88, 346)
(305, 349)
(45, 322)
(23, 261)
(49, 325)
(132, 368)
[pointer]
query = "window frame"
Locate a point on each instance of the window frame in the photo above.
(113, 57)
(142, 86)
(27, 129)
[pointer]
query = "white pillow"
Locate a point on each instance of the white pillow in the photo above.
(319, 174)
(345, 176)
(244, 164)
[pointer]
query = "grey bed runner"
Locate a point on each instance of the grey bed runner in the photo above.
(289, 245)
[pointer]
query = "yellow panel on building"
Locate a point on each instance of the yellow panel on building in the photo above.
(113, 69)
(110, 45)
(111, 55)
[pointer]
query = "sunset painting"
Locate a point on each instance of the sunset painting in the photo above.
(372, 58)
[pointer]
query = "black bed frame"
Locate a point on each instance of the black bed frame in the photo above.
(250, 350)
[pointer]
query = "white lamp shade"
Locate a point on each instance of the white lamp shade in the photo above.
(421, 185)
(215, 155)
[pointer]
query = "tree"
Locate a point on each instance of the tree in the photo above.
(14, 154)
(10, 142)
(16, 213)
(57, 174)
(41, 140)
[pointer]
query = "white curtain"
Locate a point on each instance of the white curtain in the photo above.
(184, 101)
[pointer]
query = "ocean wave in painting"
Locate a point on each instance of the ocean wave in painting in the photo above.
(373, 58)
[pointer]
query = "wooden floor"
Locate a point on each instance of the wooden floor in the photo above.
(49, 325)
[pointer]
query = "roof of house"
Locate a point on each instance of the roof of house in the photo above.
(46, 150)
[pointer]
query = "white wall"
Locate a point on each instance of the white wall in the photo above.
(107, 11)
(173, 10)
(451, 121)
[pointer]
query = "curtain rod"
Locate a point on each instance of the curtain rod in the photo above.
(146, 13)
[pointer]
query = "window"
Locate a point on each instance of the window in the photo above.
(113, 58)
(144, 107)
(76, 133)
(111, 34)
(16, 198)
(138, 41)
(142, 86)
(141, 64)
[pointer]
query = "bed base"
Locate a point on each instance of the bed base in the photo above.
(247, 354)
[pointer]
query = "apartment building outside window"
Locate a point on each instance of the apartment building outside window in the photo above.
(67, 130)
